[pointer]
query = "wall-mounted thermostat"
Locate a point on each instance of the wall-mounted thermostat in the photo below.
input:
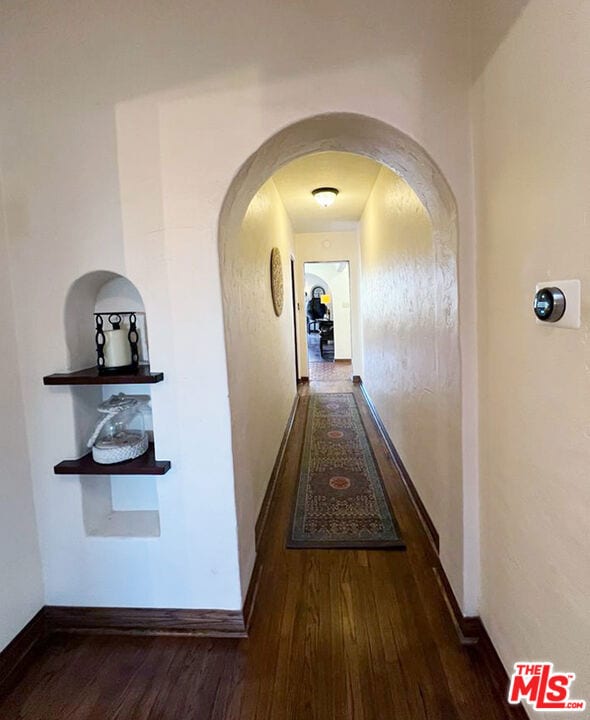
(557, 302)
(549, 304)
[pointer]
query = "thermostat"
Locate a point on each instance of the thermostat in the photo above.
(549, 304)
(558, 302)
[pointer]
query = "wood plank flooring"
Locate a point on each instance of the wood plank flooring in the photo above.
(335, 635)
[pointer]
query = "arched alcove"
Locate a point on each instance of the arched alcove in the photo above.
(112, 505)
(78, 312)
(372, 138)
(99, 291)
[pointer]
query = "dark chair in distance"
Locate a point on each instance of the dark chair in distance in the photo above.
(326, 337)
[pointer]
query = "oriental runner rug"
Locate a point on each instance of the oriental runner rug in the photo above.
(340, 501)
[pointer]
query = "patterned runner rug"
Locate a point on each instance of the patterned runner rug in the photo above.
(341, 501)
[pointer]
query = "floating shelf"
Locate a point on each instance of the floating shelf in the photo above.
(146, 464)
(90, 376)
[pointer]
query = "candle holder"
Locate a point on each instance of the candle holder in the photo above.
(117, 348)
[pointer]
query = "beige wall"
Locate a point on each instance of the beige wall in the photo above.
(404, 368)
(531, 108)
(121, 132)
(261, 357)
(21, 582)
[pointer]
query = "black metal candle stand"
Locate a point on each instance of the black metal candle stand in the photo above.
(115, 319)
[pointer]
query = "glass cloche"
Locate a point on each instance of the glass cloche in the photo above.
(120, 434)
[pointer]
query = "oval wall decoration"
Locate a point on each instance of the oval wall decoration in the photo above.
(276, 280)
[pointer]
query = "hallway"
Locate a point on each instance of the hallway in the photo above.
(334, 635)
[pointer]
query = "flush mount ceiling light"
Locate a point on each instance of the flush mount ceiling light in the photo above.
(325, 196)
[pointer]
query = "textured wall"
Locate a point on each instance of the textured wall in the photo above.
(120, 134)
(414, 385)
(533, 164)
(21, 584)
(261, 357)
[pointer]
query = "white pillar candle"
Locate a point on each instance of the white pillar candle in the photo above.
(117, 351)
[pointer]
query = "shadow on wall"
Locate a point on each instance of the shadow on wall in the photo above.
(172, 56)
(491, 21)
(78, 311)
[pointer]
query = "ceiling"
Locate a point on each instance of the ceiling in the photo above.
(353, 175)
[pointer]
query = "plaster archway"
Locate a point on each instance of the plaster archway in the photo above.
(369, 137)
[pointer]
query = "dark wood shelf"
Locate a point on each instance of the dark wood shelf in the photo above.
(90, 376)
(146, 464)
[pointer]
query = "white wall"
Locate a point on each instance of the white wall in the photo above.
(322, 248)
(121, 133)
(336, 281)
(261, 357)
(21, 585)
(532, 146)
(404, 368)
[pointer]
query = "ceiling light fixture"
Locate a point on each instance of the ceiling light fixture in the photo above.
(325, 196)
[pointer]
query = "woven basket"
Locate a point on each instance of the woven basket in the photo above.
(126, 446)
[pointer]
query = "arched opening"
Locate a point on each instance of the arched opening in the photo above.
(371, 138)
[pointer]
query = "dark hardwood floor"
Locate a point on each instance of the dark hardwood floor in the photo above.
(335, 635)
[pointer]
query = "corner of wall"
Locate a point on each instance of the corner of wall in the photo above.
(22, 586)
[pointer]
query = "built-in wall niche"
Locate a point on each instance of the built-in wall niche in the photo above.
(119, 300)
(117, 507)
(119, 499)
(113, 297)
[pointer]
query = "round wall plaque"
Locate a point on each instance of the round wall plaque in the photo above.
(276, 280)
